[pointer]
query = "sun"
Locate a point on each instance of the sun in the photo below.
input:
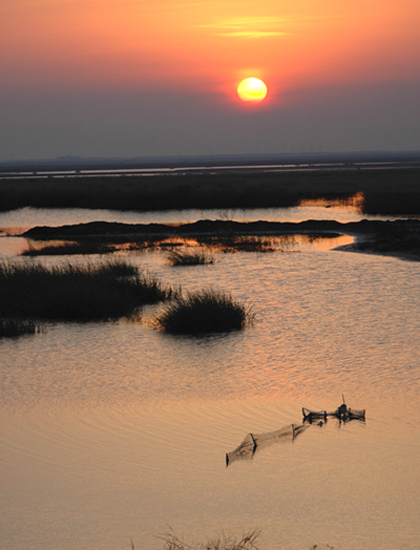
(252, 90)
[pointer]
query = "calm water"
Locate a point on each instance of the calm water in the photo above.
(115, 431)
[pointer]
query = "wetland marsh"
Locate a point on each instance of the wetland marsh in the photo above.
(111, 431)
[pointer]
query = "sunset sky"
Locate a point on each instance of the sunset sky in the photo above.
(108, 78)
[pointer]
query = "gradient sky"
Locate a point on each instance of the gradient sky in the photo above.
(122, 78)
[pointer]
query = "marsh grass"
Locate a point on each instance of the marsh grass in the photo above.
(69, 248)
(394, 203)
(204, 312)
(231, 244)
(254, 244)
(82, 293)
(105, 244)
(257, 189)
(249, 243)
(246, 243)
(221, 542)
(187, 258)
(12, 328)
(178, 191)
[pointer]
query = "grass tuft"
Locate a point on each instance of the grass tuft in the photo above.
(185, 258)
(69, 248)
(204, 312)
(72, 292)
(222, 542)
(12, 328)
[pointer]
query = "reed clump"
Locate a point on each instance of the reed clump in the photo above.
(221, 542)
(76, 292)
(204, 312)
(187, 258)
(248, 243)
(68, 249)
(12, 328)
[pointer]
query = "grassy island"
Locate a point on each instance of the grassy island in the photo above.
(78, 293)
(204, 312)
(185, 258)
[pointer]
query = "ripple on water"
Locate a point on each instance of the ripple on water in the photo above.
(114, 430)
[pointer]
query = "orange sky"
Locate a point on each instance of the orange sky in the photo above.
(358, 59)
(210, 43)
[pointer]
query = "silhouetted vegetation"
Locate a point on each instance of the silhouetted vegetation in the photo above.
(137, 193)
(257, 189)
(393, 203)
(400, 239)
(12, 328)
(386, 191)
(243, 243)
(204, 231)
(68, 292)
(221, 542)
(220, 243)
(68, 249)
(186, 258)
(261, 236)
(204, 312)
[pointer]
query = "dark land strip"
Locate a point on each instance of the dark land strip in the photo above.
(399, 238)
(394, 191)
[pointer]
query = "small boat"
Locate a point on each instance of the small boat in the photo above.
(309, 416)
(343, 413)
(348, 414)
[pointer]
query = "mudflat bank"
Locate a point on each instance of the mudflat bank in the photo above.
(398, 238)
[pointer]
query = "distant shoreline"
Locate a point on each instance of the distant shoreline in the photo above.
(393, 191)
(227, 161)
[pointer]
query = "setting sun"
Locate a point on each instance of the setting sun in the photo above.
(252, 90)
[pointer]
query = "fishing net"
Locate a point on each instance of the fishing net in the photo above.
(253, 443)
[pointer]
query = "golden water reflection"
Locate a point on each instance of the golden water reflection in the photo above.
(12, 246)
(353, 202)
(112, 431)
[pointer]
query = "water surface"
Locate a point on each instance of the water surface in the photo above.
(115, 431)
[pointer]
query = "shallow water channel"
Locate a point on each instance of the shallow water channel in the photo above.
(112, 433)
